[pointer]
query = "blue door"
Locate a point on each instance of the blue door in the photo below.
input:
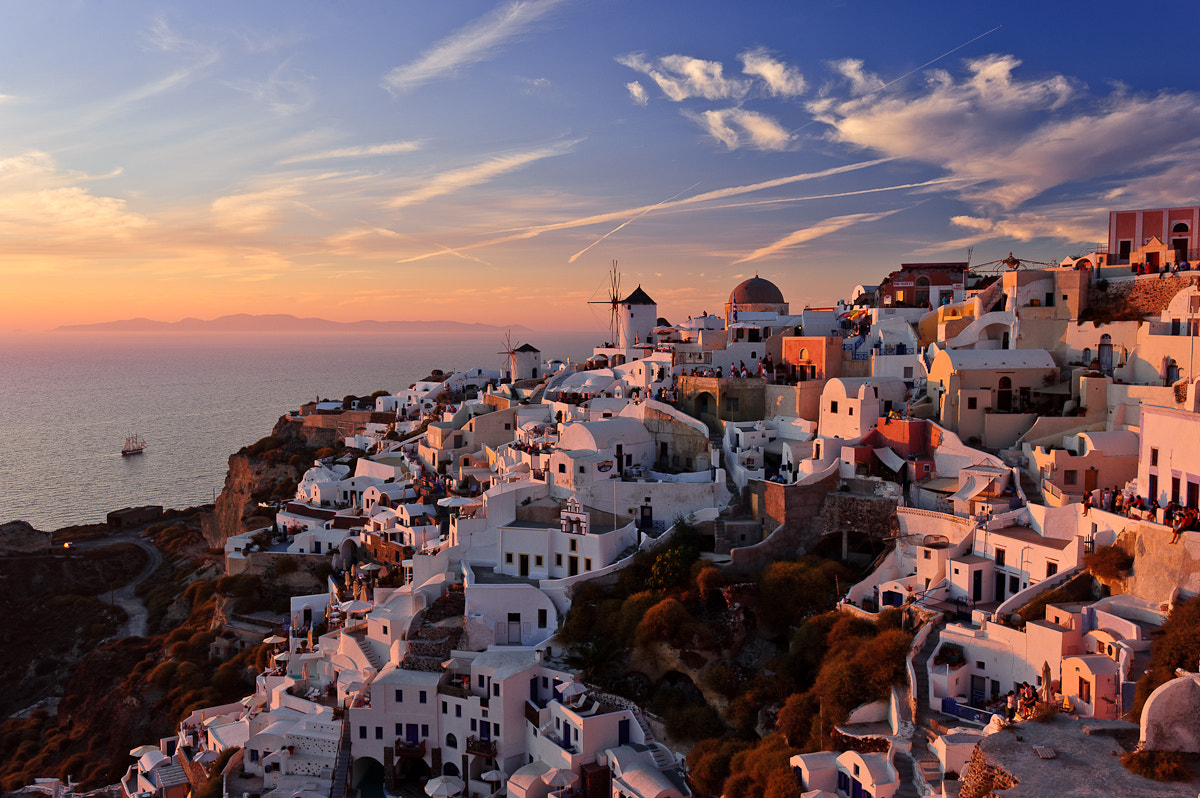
(623, 732)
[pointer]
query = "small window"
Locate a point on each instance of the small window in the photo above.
(474, 724)
(508, 558)
(908, 372)
(542, 619)
(1070, 477)
(496, 689)
(507, 425)
(928, 554)
(538, 560)
(458, 710)
(833, 407)
(562, 468)
(731, 404)
(1000, 557)
(496, 729)
(362, 732)
(850, 410)
(1051, 569)
(587, 563)
(979, 665)
(421, 697)
(445, 708)
(558, 560)
(378, 732)
(581, 469)
(972, 402)
(399, 696)
(1154, 456)
(481, 682)
(574, 545)
(399, 729)
(424, 729)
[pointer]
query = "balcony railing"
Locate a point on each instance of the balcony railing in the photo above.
(478, 746)
(405, 748)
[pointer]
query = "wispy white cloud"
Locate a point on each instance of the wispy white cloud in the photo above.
(37, 198)
(459, 179)
(782, 80)
(737, 128)
(1012, 139)
(472, 44)
(637, 93)
(822, 228)
(284, 91)
(681, 77)
(861, 81)
(364, 151)
(255, 211)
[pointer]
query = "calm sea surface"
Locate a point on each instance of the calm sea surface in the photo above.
(67, 401)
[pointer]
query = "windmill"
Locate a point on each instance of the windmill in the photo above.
(509, 353)
(613, 301)
(1011, 264)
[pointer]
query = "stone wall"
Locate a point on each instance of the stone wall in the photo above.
(856, 514)
(794, 514)
(1151, 294)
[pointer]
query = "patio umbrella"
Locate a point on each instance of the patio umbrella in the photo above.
(282, 655)
(142, 750)
(444, 786)
(559, 777)
(273, 639)
(573, 689)
(493, 775)
(371, 566)
(1046, 693)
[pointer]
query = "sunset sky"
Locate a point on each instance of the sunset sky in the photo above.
(485, 161)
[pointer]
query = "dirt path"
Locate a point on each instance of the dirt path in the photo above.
(136, 624)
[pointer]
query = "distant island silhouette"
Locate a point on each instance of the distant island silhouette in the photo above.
(279, 323)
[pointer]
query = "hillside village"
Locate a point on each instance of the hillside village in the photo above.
(976, 440)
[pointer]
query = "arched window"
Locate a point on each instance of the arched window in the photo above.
(451, 741)
(1180, 227)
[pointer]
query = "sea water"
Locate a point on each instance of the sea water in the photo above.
(67, 402)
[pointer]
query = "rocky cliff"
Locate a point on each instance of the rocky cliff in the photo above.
(267, 471)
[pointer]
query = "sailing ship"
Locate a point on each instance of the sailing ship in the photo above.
(133, 445)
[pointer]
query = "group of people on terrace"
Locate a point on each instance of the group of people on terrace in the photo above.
(1113, 500)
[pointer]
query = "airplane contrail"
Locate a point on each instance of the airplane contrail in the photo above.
(629, 221)
(935, 60)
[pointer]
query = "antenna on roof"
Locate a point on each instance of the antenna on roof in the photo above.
(970, 251)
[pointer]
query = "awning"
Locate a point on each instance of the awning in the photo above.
(890, 458)
(974, 486)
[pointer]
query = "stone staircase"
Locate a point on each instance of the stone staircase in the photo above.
(366, 646)
(663, 758)
(904, 774)
(920, 761)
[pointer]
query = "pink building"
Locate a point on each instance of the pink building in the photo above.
(1174, 229)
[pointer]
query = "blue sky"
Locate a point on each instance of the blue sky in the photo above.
(486, 162)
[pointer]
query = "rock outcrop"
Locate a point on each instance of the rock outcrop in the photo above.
(19, 537)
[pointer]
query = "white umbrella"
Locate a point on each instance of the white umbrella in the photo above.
(273, 639)
(493, 775)
(444, 786)
(459, 501)
(356, 606)
(573, 689)
(371, 566)
(282, 655)
(559, 777)
(142, 750)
